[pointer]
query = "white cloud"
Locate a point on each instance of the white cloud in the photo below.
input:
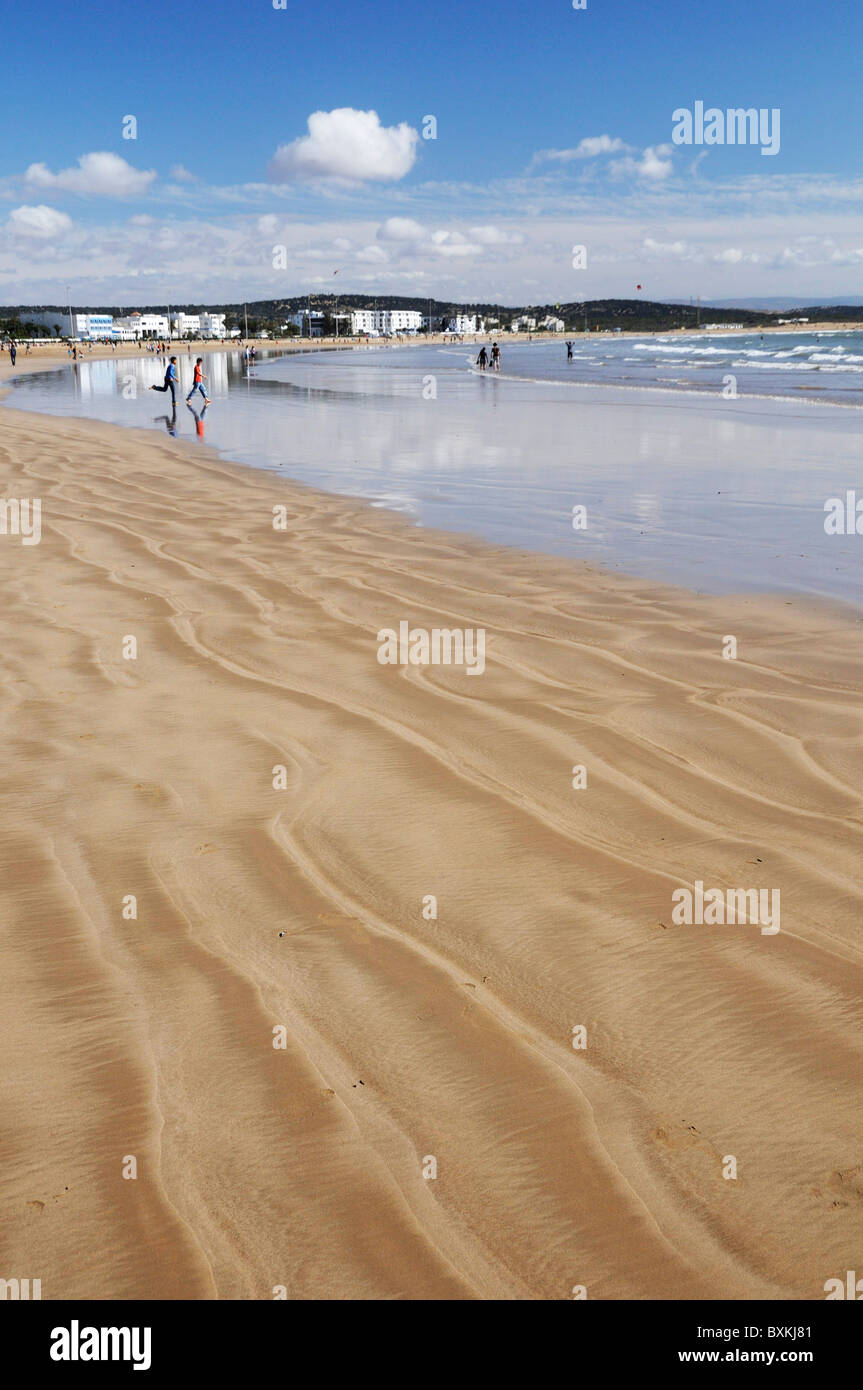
(39, 221)
(182, 175)
(400, 229)
(654, 164)
(494, 236)
(588, 148)
(349, 145)
(452, 244)
(667, 250)
(100, 173)
(374, 255)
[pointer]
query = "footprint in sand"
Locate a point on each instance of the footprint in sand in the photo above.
(678, 1137)
(844, 1186)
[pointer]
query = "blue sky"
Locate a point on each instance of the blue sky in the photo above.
(554, 128)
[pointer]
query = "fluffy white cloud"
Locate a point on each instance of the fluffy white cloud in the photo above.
(400, 229)
(39, 221)
(100, 173)
(182, 175)
(654, 164)
(349, 145)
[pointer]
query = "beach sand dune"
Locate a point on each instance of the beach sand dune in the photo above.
(412, 1044)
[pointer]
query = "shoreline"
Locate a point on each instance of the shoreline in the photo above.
(408, 1037)
(293, 344)
(833, 598)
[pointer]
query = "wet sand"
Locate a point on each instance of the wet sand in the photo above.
(408, 1037)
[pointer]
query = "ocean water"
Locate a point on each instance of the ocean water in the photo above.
(687, 485)
(825, 366)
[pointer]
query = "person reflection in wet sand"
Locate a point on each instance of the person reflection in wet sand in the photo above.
(199, 419)
(169, 421)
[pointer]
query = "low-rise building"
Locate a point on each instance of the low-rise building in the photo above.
(523, 324)
(550, 324)
(87, 325)
(144, 325)
(185, 325)
(460, 323)
(310, 323)
(213, 326)
(386, 321)
(399, 320)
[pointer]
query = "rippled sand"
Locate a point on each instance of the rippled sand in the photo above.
(409, 1039)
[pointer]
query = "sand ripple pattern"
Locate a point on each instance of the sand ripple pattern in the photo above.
(408, 1038)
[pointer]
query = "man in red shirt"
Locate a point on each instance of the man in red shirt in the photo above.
(198, 383)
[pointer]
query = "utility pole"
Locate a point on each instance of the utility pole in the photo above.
(69, 297)
(246, 318)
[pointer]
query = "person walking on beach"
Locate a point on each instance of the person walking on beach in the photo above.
(495, 357)
(482, 359)
(569, 352)
(13, 352)
(170, 382)
(198, 383)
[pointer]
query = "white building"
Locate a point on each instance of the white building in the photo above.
(311, 325)
(399, 320)
(551, 324)
(143, 325)
(363, 321)
(183, 324)
(86, 325)
(460, 323)
(213, 326)
(387, 321)
(524, 324)
(95, 326)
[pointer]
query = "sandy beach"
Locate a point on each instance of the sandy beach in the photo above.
(282, 807)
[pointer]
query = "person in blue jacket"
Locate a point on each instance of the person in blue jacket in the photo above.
(170, 383)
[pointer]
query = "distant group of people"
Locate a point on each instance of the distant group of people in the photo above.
(486, 359)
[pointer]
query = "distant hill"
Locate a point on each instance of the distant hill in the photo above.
(781, 304)
(634, 314)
